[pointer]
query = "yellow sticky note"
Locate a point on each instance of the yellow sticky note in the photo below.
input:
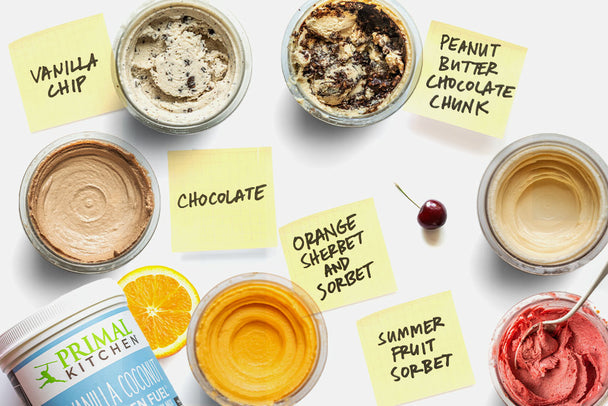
(222, 199)
(467, 79)
(64, 73)
(338, 256)
(415, 350)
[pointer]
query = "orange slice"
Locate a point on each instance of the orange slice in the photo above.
(162, 301)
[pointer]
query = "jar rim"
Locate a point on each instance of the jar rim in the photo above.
(259, 277)
(588, 309)
(51, 255)
(575, 147)
(313, 108)
(240, 44)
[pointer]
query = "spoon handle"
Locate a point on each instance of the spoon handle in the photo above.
(580, 302)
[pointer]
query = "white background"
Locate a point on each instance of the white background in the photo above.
(316, 167)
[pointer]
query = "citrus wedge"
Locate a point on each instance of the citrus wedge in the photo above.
(162, 301)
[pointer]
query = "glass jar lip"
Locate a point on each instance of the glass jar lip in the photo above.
(530, 141)
(52, 256)
(253, 277)
(243, 61)
(566, 298)
(367, 119)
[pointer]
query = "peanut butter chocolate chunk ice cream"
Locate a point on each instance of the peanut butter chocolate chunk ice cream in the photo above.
(350, 57)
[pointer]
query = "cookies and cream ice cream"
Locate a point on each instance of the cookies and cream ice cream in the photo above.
(90, 201)
(567, 367)
(179, 63)
(547, 204)
(350, 58)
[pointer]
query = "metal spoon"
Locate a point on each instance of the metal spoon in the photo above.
(550, 325)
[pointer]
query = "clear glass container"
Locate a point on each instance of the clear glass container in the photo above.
(531, 161)
(249, 281)
(45, 248)
(396, 99)
(223, 28)
(548, 300)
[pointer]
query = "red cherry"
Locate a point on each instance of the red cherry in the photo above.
(432, 215)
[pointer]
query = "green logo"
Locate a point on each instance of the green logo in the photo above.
(47, 375)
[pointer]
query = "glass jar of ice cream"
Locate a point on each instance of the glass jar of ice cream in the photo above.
(89, 202)
(351, 63)
(182, 66)
(543, 204)
(568, 366)
(257, 339)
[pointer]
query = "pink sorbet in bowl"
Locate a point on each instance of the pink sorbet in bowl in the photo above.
(566, 367)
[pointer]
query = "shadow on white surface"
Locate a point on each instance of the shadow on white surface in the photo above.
(314, 139)
(494, 272)
(38, 271)
(432, 237)
(258, 254)
(196, 395)
(137, 133)
(457, 137)
(36, 274)
(495, 401)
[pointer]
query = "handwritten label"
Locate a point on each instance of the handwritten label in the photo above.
(467, 79)
(222, 199)
(415, 350)
(338, 256)
(64, 73)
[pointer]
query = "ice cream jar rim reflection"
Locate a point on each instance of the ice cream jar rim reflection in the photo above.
(237, 42)
(513, 190)
(548, 299)
(250, 300)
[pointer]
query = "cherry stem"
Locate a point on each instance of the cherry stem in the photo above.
(405, 194)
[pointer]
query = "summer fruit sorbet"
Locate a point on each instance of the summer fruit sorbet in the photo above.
(565, 367)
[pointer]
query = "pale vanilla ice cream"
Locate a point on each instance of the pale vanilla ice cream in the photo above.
(179, 63)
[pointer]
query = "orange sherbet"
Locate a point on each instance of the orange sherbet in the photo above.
(256, 343)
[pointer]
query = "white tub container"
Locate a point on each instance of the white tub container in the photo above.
(84, 348)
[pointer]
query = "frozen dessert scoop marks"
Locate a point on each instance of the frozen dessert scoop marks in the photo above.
(350, 63)
(182, 63)
(257, 339)
(89, 202)
(550, 325)
(541, 204)
(566, 366)
(351, 55)
(182, 66)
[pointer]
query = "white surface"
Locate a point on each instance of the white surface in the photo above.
(317, 167)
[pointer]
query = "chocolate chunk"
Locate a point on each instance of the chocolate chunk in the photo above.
(190, 82)
(363, 51)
